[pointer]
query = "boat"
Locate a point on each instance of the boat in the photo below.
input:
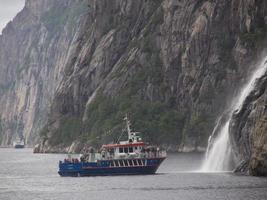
(130, 157)
(19, 144)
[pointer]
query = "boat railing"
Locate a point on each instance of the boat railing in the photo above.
(155, 154)
(93, 157)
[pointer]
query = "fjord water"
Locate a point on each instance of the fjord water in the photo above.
(27, 176)
(219, 155)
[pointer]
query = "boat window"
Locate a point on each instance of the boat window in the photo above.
(135, 148)
(134, 162)
(130, 162)
(121, 150)
(112, 163)
(111, 151)
(121, 163)
(130, 149)
(126, 150)
(126, 162)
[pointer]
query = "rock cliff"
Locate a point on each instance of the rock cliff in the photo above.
(173, 65)
(165, 62)
(33, 52)
(248, 131)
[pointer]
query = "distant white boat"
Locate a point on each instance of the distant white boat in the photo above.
(18, 144)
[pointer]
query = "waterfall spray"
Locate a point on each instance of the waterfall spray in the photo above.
(218, 154)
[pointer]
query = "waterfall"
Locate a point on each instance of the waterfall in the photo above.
(218, 154)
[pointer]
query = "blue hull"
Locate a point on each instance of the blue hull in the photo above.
(103, 168)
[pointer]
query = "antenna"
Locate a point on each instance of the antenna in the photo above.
(128, 124)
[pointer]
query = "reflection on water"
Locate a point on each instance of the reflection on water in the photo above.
(24, 175)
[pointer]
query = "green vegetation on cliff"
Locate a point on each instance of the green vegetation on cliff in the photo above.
(199, 127)
(70, 128)
(257, 37)
(158, 121)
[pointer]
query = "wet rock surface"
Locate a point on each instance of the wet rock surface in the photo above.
(248, 131)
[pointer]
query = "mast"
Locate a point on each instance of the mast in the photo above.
(128, 124)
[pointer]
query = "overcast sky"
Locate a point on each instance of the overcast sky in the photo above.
(8, 10)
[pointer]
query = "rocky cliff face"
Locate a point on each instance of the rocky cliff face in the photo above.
(248, 131)
(173, 65)
(33, 52)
